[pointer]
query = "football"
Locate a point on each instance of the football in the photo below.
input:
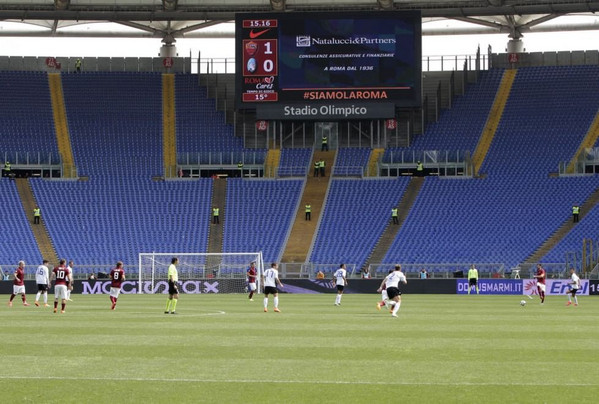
(522, 302)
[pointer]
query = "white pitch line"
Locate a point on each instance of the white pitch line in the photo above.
(323, 382)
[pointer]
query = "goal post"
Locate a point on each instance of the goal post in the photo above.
(199, 272)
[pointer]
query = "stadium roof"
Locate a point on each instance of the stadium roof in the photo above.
(172, 19)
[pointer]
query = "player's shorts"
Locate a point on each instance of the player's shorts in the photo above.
(541, 286)
(114, 292)
(18, 290)
(384, 295)
(472, 282)
(252, 286)
(573, 291)
(270, 290)
(42, 287)
(172, 288)
(60, 291)
(340, 288)
(393, 292)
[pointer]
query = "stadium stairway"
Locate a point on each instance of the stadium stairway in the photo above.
(273, 158)
(168, 125)
(60, 124)
(564, 229)
(216, 231)
(589, 141)
(39, 231)
(373, 161)
(304, 231)
(493, 120)
(405, 204)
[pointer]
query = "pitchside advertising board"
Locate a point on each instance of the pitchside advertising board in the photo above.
(526, 287)
(321, 65)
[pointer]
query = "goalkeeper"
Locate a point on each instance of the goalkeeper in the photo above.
(173, 288)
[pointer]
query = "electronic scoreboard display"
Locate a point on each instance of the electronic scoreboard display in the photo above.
(323, 57)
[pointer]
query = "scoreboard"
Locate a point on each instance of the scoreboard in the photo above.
(307, 59)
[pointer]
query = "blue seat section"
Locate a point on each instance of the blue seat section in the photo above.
(458, 128)
(259, 214)
(548, 113)
(294, 162)
(492, 220)
(351, 161)
(202, 131)
(586, 228)
(355, 215)
(115, 123)
(508, 215)
(18, 242)
(100, 221)
(26, 115)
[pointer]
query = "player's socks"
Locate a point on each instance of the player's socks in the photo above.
(251, 295)
(477, 290)
(168, 305)
(24, 299)
(265, 303)
(174, 305)
(396, 308)
(276, 302)
(575, 300)
(62, 305)
(37, 296)
(45, 299)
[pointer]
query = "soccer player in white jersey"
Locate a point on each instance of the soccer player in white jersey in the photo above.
(392, 282)
(340, 279)
(270, 278)
(42, 279)
(574, 285)
(72, 281)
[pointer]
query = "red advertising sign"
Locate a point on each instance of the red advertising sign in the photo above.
(261, 125)
(391, 123)
(513, 58)
(167, 62)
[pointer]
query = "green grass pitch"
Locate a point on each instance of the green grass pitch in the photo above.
(225, 349)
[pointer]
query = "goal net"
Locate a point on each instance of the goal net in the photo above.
(199, 272)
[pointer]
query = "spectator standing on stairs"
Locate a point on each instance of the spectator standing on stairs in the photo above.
(394, 215)
(308, 212)
(324, 145)
(215, 215)
(36, 215)
(575, 213)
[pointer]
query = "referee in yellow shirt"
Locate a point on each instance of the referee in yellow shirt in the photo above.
(173, 289)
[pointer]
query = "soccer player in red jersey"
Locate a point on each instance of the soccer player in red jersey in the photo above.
(251, 274)
(18, 285)
(117, 276)
(62, 274)
(541, 277)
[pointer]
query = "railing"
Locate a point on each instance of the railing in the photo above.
(457, 270)
(292, 171)
(349, 171)
(221, 158)
(310, 270)
(31, 158)
(587, 162)
(435, 162)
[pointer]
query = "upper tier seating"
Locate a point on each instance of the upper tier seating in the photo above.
(351, 161)
(294, 162)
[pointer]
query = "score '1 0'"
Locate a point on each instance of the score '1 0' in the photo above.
(268, 64)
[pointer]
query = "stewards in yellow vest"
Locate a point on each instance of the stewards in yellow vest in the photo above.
(316, 167)
(308, 212)
(215, 216)
(240, 167)
(322, 173)
(419, 168)
(78, 66)
(6, 169)
(575, 213)
(472, 278)
(37, 213)
(325, 144)
(394, 216)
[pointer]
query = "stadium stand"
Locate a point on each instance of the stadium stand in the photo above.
(259, 215)
(351, 161)
(295, 162)
(355, 214)
(18, 242)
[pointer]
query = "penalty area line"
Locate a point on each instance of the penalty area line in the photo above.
(321, 382)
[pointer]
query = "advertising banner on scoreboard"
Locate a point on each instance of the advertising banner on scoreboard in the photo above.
(555, 287)
(305, 112)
